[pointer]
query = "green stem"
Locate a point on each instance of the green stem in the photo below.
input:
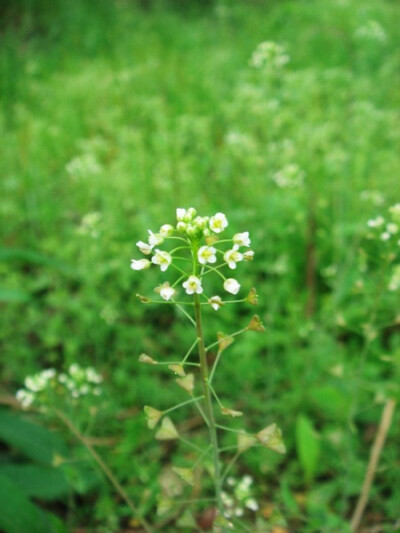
(209, 411)
(179, 405)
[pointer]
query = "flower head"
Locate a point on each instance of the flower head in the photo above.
(248, 255)
(166, 291)
(144, 247)
(166, 230)
(231, 285)
(242, 239)
(193, 285)
(233, 256)
(215, 302)
(140, 264)
(161, 258)
(206, 254)
(155, 239)
(218, 223)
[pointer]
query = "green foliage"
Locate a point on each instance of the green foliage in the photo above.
(308, 449)
(112, 116)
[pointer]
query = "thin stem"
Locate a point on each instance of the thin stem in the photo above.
(215, 395)
(185, 313)
(209, 411)
(189, 352)
(146, 526)
(191, 445)
(177, 363)
(377, 447)
(214, 367)
(182, 404)
(230, 429)
(229, 466)
(231, 335)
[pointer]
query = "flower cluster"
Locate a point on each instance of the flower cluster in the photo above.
(372, 31)
(269, 55)
(289, 177)
(198, 244)
(387, 228)
(240, 497)
(76, 382)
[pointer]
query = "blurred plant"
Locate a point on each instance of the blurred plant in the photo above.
(200, 255)
(50, 391)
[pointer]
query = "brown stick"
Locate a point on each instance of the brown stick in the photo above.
(377, 446)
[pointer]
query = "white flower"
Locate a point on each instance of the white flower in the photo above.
(140, 264)
(144, 247)
(48, 374)
(218, 222)
(35, 383)
(193, 285)
(242, 239)
(385, 236)
(166, 291)
(231, 285)
(162, 258)
(25, 398)
(376, 222)
(92, 376)
(233, 256)
(215, 302)
(180, 214)
(392, 228)
(248, 255)
(166, 230)
(181, 226)
(155, 239)
(251, 504)
(206, 254)
(247, 480)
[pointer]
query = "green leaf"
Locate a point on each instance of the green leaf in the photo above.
(13, 295)
(34, 441)
(18, 514)
(333, 403)
(37, 481)
(308, 449)
(30, 256)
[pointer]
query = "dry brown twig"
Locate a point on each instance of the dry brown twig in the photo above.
(386, 420)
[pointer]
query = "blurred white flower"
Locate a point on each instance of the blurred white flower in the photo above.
(140, 264)
(242, 239)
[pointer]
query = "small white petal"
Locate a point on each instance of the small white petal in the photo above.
(193, 285)
(218, 223)
(140, 264)
(161, 258)
(242, 239)
(231, 285)
(206, 254)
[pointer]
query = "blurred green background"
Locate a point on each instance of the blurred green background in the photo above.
(114, 113)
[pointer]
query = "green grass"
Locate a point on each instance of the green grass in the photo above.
(131, 112)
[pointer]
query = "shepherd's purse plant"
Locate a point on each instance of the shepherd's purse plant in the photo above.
(197, 258)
